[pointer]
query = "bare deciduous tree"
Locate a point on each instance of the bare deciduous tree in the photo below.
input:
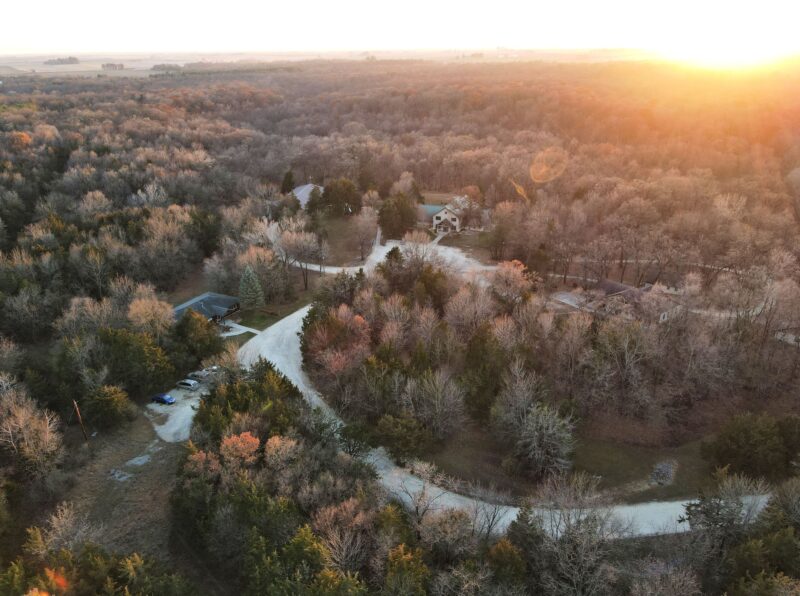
(511, 284)
(151, 316)
(438, 401)
(577, 537)
(347, 531)
(65, 529)
(449, 535)
(470, 307)
(366, 225)
(303, 248)
(30, 434)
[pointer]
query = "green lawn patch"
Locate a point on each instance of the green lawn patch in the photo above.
(261, 318)
(475, 455)
(625, 470)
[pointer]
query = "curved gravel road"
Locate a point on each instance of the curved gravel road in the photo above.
(280, 344)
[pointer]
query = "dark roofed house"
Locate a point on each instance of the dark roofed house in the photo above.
(214, 307)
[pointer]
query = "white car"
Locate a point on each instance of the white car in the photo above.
(188, 384)
(199, 375)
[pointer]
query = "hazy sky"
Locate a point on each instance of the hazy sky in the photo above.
(759, 28)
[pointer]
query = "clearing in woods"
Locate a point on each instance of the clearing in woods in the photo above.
(125, 487)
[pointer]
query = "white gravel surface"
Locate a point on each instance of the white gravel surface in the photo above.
(455, 257)
(173, 424)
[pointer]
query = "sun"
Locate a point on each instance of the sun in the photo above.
(727, 34)
(726, 56)
(729, 50)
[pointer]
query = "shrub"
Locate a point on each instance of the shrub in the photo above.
(406, 573)
(108, 406)
(354, 439)
(756, 446)
(764, 584)
(506, 562)
(405, 438)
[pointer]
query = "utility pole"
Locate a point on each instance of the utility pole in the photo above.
(80, 420)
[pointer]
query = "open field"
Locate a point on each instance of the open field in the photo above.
(625, 470)
(342, 241)
(475, 456)
(123, 487)
(437, 198)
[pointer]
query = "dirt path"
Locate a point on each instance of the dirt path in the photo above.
(125, 487)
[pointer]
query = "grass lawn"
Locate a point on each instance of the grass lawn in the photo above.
(437, 198)
(474, 244)
(475, 455)
(624, 470)
(262, 318)
(342, 241)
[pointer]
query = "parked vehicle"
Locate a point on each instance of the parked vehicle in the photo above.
(163, 398)
(199, 375)
(188, 384)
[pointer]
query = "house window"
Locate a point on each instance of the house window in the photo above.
(453, 219)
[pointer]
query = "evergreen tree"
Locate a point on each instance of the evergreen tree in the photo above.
(314, 202)
(192, 339)
(406, 573)
(251, 295)
(396, 216)
(135, 361)
(108, 406)
(288, 182)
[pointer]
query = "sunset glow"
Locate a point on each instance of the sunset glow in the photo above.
(721, 56)
(730, 39)
(711, 33)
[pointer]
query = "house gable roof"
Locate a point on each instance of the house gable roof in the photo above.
(447, 209)
(209, 305)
